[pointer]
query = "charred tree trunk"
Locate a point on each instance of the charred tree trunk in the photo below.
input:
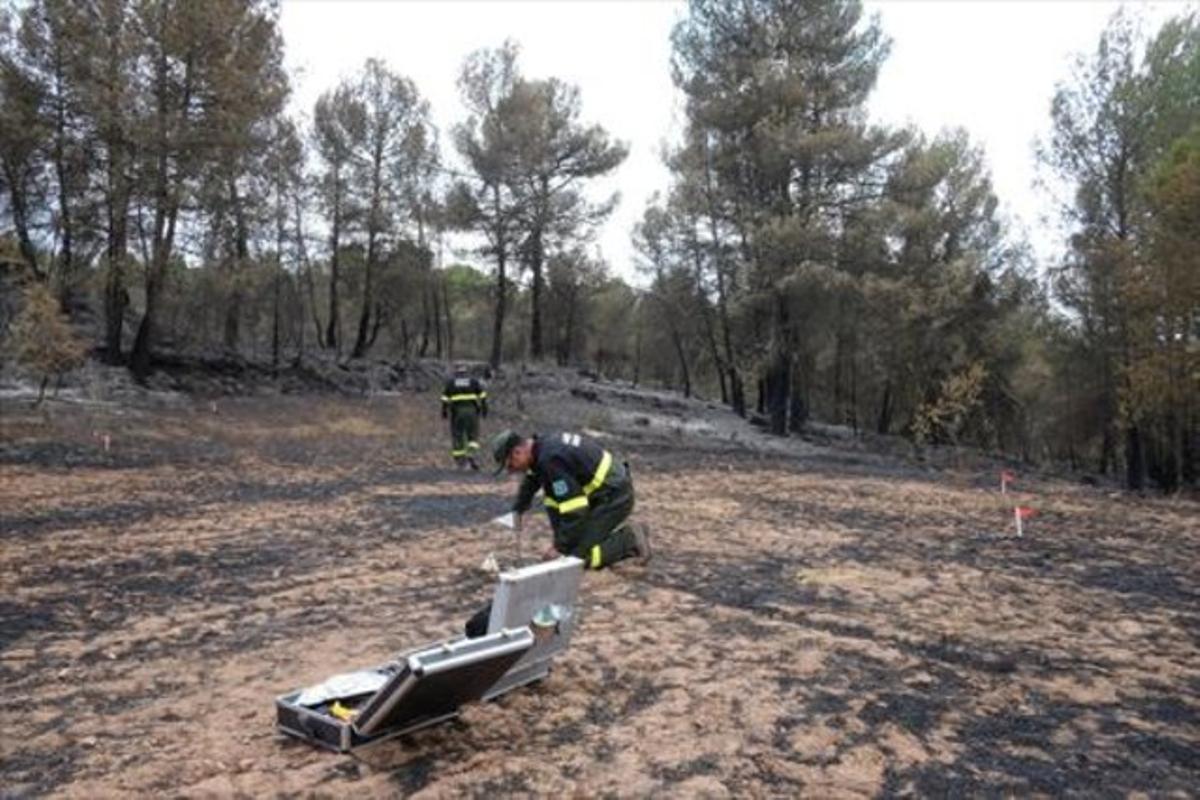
(498, 318)
(117, 195)
(275, 337)
(376, 325)
(1107, 450)
(241, 250)
(563, 346)
(798, 402)
(140, 357)
(166, 197)
(437, 316)
(710, 335)
(374, 225)
(680, 354)
(1135, 458)
(838, 390)
(424, 346)
(854, 387)
(537, 256)
(332, 334)
(143, 345)
(535, 319)
(501, 244)
(779, 372)
(723, 381)
(309, 284)
(737, 393)
(276, 310)
(116, 297)
(778, 391)
(62, 171)
(884, 423)
(18, 205)
(362, 339)
(637, 351)
(449, 317)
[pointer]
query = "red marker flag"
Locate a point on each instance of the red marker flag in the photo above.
(1020, 513)
(1006, 478)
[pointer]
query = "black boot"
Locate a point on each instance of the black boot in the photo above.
(641, 538)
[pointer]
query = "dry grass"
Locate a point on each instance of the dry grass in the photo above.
(808, 628)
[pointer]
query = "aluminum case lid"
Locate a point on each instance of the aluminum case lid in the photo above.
(435, 681)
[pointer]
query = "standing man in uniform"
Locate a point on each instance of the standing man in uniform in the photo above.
(464, 401)
(588, 495)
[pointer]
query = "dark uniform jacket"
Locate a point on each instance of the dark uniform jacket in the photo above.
(464, 392)
(574, 473)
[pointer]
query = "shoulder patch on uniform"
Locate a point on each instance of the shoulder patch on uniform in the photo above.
(559, 487)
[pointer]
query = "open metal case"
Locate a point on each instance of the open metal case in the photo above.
(428, 685)
(542, 594)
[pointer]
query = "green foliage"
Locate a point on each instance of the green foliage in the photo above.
(941, 417)
(1161, 289)
(465, 279)
(40, 337)
(530, 154)
(778, 154)
(801, 257)
(1119, 129)
(857, 272)
(22, 132)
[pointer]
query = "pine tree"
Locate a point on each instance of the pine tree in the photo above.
(779, 88)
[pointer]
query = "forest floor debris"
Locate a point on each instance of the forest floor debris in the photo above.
(819, 620)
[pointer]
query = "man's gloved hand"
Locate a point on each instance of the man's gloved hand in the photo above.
(445, 412)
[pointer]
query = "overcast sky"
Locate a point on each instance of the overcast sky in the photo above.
(990, 67)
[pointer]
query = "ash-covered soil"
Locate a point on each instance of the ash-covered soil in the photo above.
(820, 620)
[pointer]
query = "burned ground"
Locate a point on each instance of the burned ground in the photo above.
(819, 621)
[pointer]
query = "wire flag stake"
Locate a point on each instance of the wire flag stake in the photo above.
(1020, 513)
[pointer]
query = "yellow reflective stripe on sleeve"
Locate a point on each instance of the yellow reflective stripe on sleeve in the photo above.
(566, 506)
(458, 453)
(601, 473)
(574, 504)
(455, 398)
(597, 562)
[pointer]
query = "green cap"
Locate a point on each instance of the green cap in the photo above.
(501, 445)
